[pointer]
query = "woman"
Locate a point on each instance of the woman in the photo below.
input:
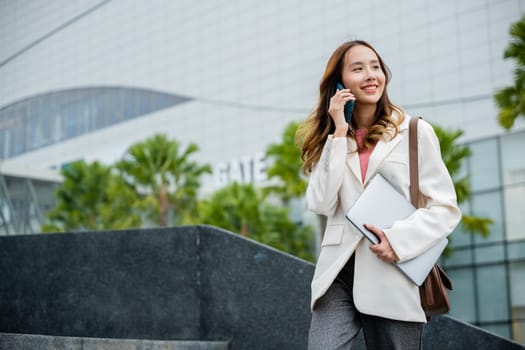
(355, 285)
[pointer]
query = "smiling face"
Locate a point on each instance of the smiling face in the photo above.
(363, 75)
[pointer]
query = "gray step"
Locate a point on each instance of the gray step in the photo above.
(14, 341)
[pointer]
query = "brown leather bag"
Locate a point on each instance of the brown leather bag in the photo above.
(433, 291)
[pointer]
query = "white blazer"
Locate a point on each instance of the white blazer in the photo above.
(335, 183)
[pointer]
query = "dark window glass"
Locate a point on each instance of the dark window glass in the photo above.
(484, 165)
(18, 140)
(489, 205)
(512, 158)
(492, 291)
(49, 118)
(462, 297)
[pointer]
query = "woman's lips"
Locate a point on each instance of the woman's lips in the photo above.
(369, 88)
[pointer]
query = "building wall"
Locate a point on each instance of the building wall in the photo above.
(250, 68)
(488, 273)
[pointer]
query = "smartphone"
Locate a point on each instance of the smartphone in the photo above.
(349, 106)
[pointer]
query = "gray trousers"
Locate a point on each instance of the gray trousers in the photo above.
(336, 322)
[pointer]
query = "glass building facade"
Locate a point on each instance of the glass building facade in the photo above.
(54, 117)
(489, 273)
(24, 202)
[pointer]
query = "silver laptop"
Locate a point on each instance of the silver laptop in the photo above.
(381, 205)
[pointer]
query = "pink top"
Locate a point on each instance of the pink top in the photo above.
(364, 153)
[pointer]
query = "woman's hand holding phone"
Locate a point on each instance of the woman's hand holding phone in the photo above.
(336, 110)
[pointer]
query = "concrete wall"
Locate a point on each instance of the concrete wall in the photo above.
(178, 283)
(181, 283)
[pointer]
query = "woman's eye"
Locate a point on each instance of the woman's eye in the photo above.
(376, 67)
(357, 69)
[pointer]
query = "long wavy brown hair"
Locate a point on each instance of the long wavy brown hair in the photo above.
(313, 132)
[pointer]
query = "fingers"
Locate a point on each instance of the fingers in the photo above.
(387, 255)
(374, 230)
(388, 258)
(395, 257)
(383, 249)
(345, 94)
(379, 233)
(337, 103)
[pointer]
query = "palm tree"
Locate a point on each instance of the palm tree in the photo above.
(235, 208)
(164, 177)
(511, 99)
(242, 208)
(91, 197)
(286, 166)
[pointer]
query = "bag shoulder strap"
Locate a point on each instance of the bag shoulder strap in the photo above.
(413, 160)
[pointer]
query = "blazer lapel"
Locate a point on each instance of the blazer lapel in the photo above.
(352, 160)
(383, 149)
(380, 152)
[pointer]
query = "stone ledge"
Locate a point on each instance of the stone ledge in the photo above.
(10, 341)
(189, 282)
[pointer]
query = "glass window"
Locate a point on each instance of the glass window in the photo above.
(492, 291)
(459, 237)
(462, 299)
(517, 283)
(57, 127)
(7, 122)
(117, 102)
(18, 139)
(459, 256)
(489, 205)
(69, 121)
(484, 165)
(515, 212)
(7, 143)
(2, 142)
(99, 108)
(516, 250)
(32, 132)
(38, 125)
(144, 102)
(491, 253)
(46, 127)
(512, 159)
(159, 101)
(31, 124)
(463, 170)
(85, 117)
(44, 192)
(54, 117)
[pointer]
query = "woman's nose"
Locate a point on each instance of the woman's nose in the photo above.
(370, 74)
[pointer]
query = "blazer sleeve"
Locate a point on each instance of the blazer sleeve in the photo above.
(326, 177)
(440, 213)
